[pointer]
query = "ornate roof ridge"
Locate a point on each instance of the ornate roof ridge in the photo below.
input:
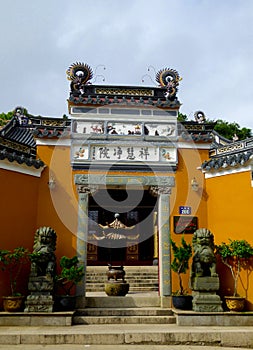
(80, 75)
(99, 100)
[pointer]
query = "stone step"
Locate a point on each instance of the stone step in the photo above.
(140, 278)
(145, 311)
(131, 289)
(131, 335)
(139, 289)
(124, 316)
(128, 273)
(141, 300)
(128, 276)
(132, 285)
(136, 277)
(129, 280)
(124, 320)
(128, 269)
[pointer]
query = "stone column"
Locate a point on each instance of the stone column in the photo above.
(82, 233)
(155, 255)
(164, 240)
(163, 193)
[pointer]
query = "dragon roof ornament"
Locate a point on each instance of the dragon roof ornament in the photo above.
(79, 74)
(168, 78)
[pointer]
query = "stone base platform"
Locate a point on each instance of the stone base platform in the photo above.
(36, 319)
(229, 319)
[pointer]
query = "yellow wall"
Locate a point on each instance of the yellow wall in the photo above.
(58, 207)
(229, 211)
(18, 213)
(183, 195)
(222, 204)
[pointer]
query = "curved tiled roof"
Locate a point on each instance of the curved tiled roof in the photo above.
(21, 159)
(49, 132)
(18, 144)
(231, 160)
(15, 132)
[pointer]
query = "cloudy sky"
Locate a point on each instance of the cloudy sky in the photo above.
(209, 42)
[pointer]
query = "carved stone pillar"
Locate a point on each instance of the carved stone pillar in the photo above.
(164, 240)
(156, 240)
(163, 193)
(82, 233)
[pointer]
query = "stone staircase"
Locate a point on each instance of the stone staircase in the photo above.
(123, 323)
(124, 316)
(140, 278)
(142, 308)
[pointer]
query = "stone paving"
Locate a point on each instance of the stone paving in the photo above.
(114, 347)
(128, 335)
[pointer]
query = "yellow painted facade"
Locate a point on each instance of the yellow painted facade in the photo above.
(222, 202)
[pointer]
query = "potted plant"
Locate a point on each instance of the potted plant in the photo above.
(236, 255)
(13, 261)
(180, 264)
(71, 274)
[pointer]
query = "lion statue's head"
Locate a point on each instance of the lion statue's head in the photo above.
(44, 237)
(204, 261)
(202, 238)
(43, 256)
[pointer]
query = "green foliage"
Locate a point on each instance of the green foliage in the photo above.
(235, 255)
(224, 128)
(13, 261)
(71, 273)
(5, 117)
(182, 117)
(238, 249)
(228, 130)
(180, 262)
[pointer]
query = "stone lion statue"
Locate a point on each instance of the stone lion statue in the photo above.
(204, 261)
(43, 256)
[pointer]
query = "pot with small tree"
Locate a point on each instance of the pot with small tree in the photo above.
(71, 274)
(180, 264)
(236, 255)
(12, 261)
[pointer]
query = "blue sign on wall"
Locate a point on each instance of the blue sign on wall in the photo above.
(185, 210)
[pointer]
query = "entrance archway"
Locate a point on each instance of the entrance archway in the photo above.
(160, 186)
(134, 246)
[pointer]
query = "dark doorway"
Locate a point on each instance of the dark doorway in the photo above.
(133, 245)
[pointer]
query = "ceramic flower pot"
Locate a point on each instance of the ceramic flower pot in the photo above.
(13, 303)
(182, 302)
(64, 303)
(235, 303)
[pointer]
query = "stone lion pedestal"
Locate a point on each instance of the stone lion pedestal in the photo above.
(204, 280)
(204, 294)
(41, 279)
(40, 299)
